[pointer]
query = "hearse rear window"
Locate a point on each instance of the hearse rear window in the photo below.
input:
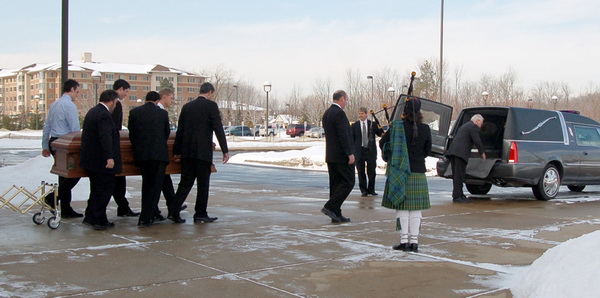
(587, 136)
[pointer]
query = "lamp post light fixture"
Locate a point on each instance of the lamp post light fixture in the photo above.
(391, 91)
(96, 76)
(485, 96)
(554, 101)
(372, 90)
(267, 88)
(37, 115)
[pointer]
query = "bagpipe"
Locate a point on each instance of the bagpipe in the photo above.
(384, 143)
(385, 106)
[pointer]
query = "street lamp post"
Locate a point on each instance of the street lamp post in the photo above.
(554, 101)
(96, 76)
(267, 88)
(237, 105)
(391, 91)
(530, 102)
(485, 95)
(37, 115)
(372, 90)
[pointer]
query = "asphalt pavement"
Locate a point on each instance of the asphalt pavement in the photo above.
(272, 241)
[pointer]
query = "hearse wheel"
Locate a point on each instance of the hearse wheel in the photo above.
(477, 189)
(549, 184)
(576, 188)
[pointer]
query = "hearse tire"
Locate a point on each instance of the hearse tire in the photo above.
(549, 184)
(479, 189)
(576, 188)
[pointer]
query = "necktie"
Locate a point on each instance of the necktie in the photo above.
(365, 140)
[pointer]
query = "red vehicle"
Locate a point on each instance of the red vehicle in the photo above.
(296, 130)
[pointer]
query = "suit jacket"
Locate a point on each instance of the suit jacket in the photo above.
(338, 138)
(148, 132)
(117, 115)
(466, 136)
(99, 141)
(373, 130)
(197, 122)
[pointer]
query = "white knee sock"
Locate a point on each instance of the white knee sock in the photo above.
(402, 215)
(414, 225)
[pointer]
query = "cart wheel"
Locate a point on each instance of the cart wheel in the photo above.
(53, 222)
(38, 218)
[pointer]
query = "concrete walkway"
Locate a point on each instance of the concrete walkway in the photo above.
(275, 243)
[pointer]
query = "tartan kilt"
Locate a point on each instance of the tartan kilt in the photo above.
(417, 194)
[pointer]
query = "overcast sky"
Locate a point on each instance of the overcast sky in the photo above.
(296, 42)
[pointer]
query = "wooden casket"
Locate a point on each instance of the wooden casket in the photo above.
(66, 157)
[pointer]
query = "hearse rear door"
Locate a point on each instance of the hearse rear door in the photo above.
(436, 115)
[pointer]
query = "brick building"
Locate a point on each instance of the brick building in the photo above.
(38, 85)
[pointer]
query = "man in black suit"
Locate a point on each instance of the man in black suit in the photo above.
(100, 156)
(459, 153)
(149, 131)
(339, 155)
(194, 148)
(365, 151)
(122, 88)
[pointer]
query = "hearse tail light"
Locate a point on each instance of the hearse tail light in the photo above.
(513, 157)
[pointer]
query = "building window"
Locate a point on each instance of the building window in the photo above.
(146, 88)
(133, 88)
(191, 80)
(84, 86)
(122, 77)
(191, 90)
(74, 75)
(179, 89)
(158, 79)
(84, 75)
(109, 77)
(133, 78)
(171, 79)
(179, 79)
(132, 97)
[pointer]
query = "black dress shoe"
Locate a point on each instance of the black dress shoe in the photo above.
(343, 219)
(364, 194)
(97, 227)
(109, 224)
(373, 193)
(401, 246)
(145, 224)
(176, 219)
(331, 214)
(183, 207)
(205, 219)
(462, 199)
(414, 247)
(129, 213)
(70, 214)
(159, 217)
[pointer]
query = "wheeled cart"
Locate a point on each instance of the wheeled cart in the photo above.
(22, 200)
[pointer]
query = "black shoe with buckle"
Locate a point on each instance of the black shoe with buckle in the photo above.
(205, 219)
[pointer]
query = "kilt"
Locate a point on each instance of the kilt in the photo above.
(417, 194)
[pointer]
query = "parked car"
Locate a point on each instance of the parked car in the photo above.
(296, 130)
(239, 130)
(316, 132)
(525, 147)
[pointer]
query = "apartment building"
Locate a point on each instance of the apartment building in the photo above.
(33, 88)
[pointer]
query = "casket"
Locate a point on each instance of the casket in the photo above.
(66, 157)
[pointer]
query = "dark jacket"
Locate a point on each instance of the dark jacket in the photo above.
(338, 138)
(466, 136)
(148, 132)
(197, 122)
(117, 115)
(99, 141)
(373, 130)
(418, 149)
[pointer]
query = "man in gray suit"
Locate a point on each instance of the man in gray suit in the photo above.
(459, 153)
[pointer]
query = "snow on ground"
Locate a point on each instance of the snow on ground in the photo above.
(567, 270)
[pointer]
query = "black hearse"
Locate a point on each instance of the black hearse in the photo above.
(525, 147)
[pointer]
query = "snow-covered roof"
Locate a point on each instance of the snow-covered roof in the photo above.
(7, 72)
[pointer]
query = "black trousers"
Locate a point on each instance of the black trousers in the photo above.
(65, 185)
(192, 169)
(341, 182)
(459, 168)
(102, 186)
(119, 194)
(370, 164)
(168, 192)
(153, 174)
